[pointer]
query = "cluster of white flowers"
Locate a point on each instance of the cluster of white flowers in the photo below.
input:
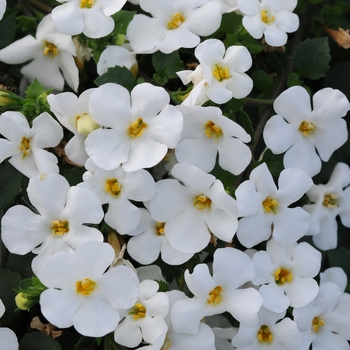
(120, 136)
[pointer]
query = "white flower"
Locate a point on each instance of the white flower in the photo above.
(58, 226)
(174, 24)
(218, 293)
(195, 210)
(300, 131)
(73, 113)
(330, 200)
(265, 209)
(272, 18)
(221, 74)
(91, 17)
(142, 126)
(25, 145)
(51, 53)
(81, 294)
(286, 273)
(8, 337)
(228, 5)
(2, 8)
(207, 133)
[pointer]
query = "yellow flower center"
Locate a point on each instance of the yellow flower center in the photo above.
(160, 228)
(59, 227)
(221, 73)
(24, 147)
(85, 287)
(306, 128)
(138, 311)
(202, 202)
(214, 296)
(265, 335)
(330, 201)
(266, 17)
(87, 4)
(212, 129)
(283, 276)
(136, 128)
(50, 49)
(317, 322)
(270, 205)
(113, 187)
(176, 21)
(85, 124)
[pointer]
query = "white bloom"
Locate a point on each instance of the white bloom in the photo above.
(300, 131)
(91, 17)
(207, 133)
(217, 293)
(221, 73)
(228, 5)
(335, 275)
(272, 18)
(2, 8)
(286, 274)
(26, 145)
(265, 208)
(51, 53)
(174, 24)
(58, 226)
(330, 200)
(81, 294)
(142, 126)
(73, 113)
(8, 337)
(195, 210)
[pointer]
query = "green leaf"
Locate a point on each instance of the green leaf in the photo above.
(262, 81)
(8, 28)
(311, 58)
(122, 20)
(231, 23)
(293, 79)
(27, 25)
(163, 286)
(10, 184)
(117, 75)
(21, 264)
(34, 90)
(38, 341)
(166, 66)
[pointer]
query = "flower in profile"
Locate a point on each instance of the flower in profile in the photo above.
(51, 54)
(220, 74)
(25, 145)
(271, 18)
(8, 337)
(300, 131)
(91, 17)
(59, 225)
(81, 294)
(173, 24)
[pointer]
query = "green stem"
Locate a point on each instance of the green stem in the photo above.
(258, 101)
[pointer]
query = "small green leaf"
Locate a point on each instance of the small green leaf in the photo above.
(166, 66)
(163, 286)
(38, 341)
(27, 25)
(34, 90)
(311, 58)
(122, 20)
(10, 184)
(117, 75)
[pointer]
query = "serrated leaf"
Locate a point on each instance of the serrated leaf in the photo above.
(38, 341)
(311, 58)
(166, 66)
(34, 90)
(26, 24)
(117, 75)
(10, 184)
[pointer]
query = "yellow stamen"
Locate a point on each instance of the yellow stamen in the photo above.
(50, 49)
(202, 202)
(270, 205)
(317, 322)
(306, 128)
(24, 147)
(138, 311)
(220, 73)
(215, 296)
(265, 335)
(59, 227)
(212, 129)
(266, 18)
(160, 228)
(113, 187)
(283, 276)
(87, 4)
(330, 201)
(136, 128)
(176, 21)
(85, 287)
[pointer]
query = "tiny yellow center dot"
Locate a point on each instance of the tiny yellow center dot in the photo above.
(212, 129)
(160, 228)
(59, 227)
(50, 49)
(113, 187)
(317, 322)
(306, 128)
(87, 4)
(138, 311)
(215, 296)
(266, 17)
(24, 147)
(85, 287)
(136, 128)
(221, 73)
(283, 276)
(265, 335)
(270, 205)
(202, 202)
(330, 201)
(176, 21)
